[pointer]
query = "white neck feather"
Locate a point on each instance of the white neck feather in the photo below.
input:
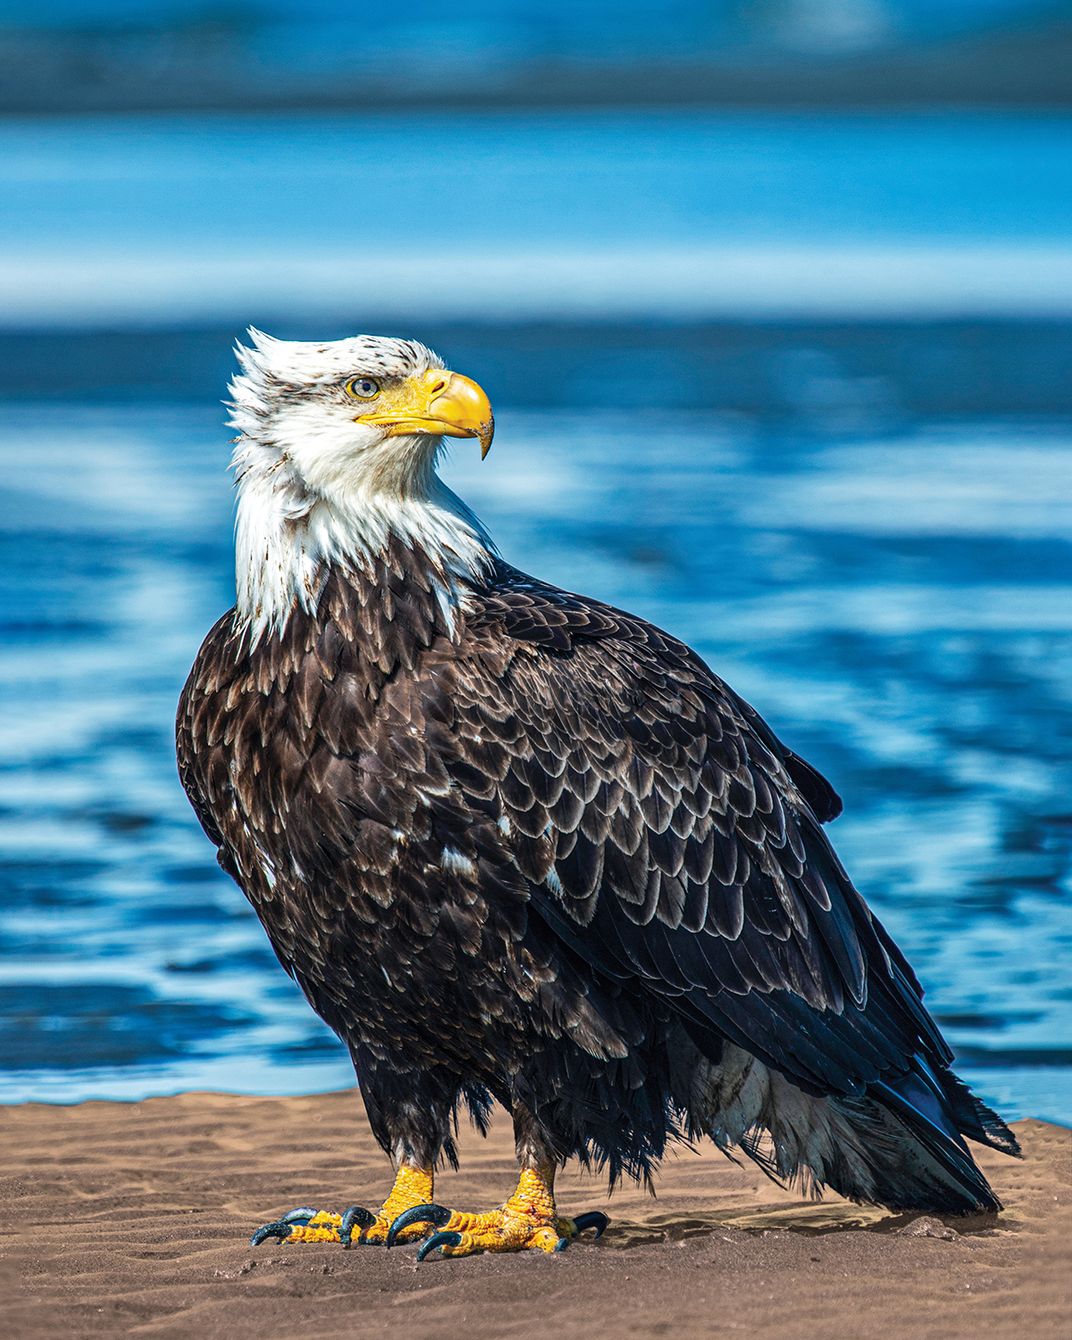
(287, 538)
(318, 489)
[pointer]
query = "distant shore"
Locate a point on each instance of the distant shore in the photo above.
(861, 372)
(53, 71)
(133, 1217)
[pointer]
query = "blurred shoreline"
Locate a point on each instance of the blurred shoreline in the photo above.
(838, 374)
(222, 66)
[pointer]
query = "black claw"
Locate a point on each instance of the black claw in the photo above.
(437, 1240)
(419, 1214)
(280, 1230)
(592, 1219)
(356, 1214)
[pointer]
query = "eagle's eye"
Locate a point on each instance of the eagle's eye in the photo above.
(362, 388)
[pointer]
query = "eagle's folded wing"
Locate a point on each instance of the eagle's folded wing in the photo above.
(671, 839)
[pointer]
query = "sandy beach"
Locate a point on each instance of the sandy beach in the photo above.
(133, 1218)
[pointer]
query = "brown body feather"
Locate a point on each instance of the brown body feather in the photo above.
(536, 849)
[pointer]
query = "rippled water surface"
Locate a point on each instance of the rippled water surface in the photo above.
(899, 606)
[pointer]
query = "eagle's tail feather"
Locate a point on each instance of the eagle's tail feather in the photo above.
(977, 1121)
(916, 1162)
(899, 1145)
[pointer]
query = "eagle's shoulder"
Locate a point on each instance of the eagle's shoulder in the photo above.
(635, 655)
(528, 610)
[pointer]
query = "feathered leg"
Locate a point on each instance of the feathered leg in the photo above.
(528, 1219)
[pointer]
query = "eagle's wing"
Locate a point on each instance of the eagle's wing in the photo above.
(672, 841)
(208, 671)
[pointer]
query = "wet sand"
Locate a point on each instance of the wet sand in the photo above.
(133, 1218)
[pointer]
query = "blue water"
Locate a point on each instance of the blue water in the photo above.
(899, 605)
(889, 583)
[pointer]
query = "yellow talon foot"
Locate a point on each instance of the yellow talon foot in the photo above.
(413, 1186)
(505, 1233)
(303, 1224)
(528, 1220)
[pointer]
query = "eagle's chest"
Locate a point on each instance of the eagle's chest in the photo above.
(328, 783)
(370, 889)
(327, 759)
(344, 827)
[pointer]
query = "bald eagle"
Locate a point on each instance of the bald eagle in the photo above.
(516, 845)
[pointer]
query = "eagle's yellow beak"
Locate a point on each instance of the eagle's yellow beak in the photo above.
(441, 403)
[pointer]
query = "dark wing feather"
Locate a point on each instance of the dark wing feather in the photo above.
(824, 800)
(196, 702)
(672, 840)
(816, 790)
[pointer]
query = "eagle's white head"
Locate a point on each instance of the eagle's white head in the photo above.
(336, 455)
